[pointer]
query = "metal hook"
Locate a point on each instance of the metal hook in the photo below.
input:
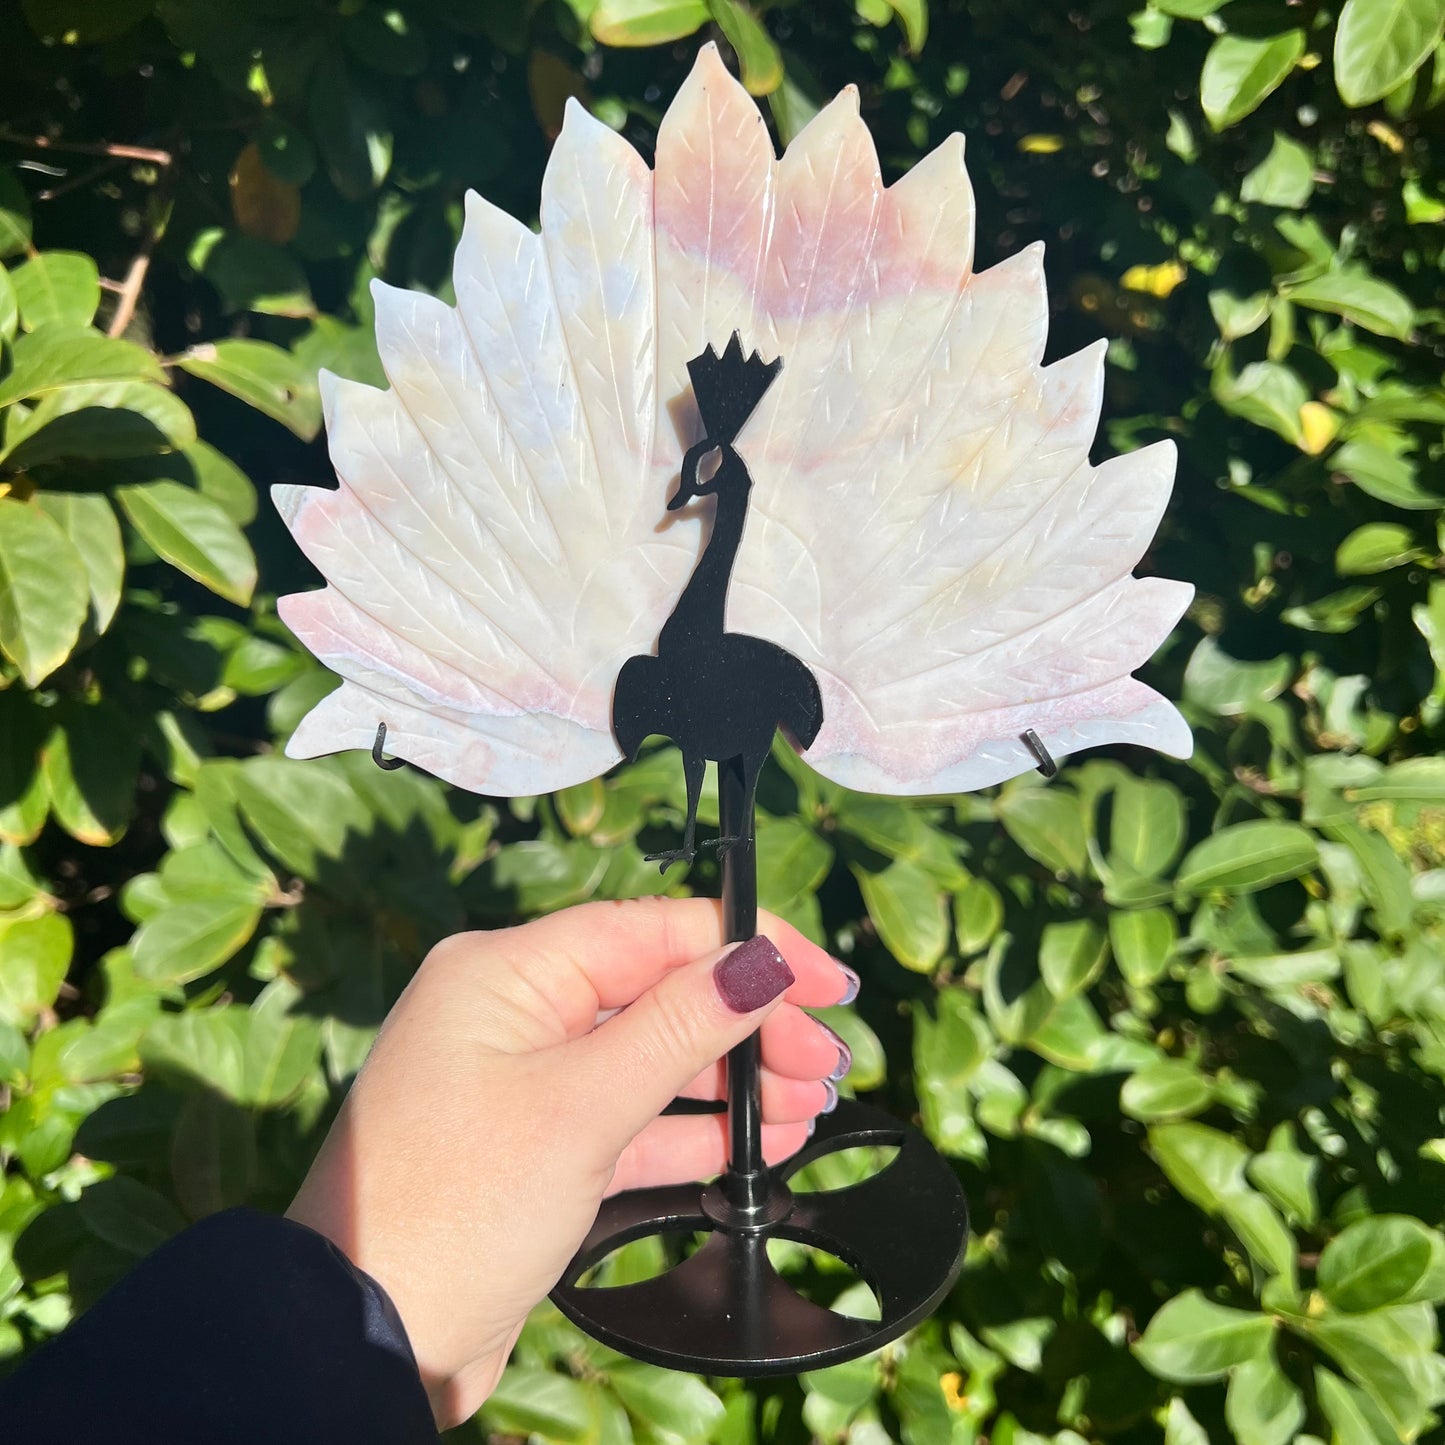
(389, 764)
(1047, 766)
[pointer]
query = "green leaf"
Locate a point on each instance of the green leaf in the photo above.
(1170, 1089)
(1265, 1236)
(201, 1048)
(19, 883)
(56, 288)
(1354, 1417)
(1263, 1407)
(538, 1402)
(792, 861)
(1285, 177)
(188, 940)
(758, 57)
(1387, 1259)
(1382, 1354)
(286, 150)
(1376, 459)
(263, 376)
(14, 215)
(647, 22)
(1190, 9)
(977, 915)
(1416, 780)
(1248, 856)
(282, 1046)
(1143, 940)
(1267, 394)
(89, 521)
(1287, 1176)
(126, 1214)
(91, 761)
(302, 812)
(100, 420)
(37, 955)
(1204, 1165)
(1379, 44)
(1237, 316)
(251, 275)
(1147, 831)
(1216, 681)
(44, 590)
(9, 308)
(212, 1155)
(679, 1404)
(192, 532)
(24, 801)
(1359, 298)
(1191, 1339)
(1376, 547)
(581, 807)
(913, 14)
(1071, 956)
(1240, 71)
(1048, 824)
(910, 912)
(60, 357)
(350, 128)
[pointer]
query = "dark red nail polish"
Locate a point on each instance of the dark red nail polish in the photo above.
(752, 975)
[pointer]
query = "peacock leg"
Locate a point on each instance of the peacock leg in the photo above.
(750, 789)
(692, 769)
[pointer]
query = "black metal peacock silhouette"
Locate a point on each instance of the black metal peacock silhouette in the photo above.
(719, 695)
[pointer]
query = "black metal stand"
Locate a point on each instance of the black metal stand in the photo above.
(725, 1310)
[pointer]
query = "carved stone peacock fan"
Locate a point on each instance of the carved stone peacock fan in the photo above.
(924, 530)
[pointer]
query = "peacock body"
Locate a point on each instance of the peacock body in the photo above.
(921, 529)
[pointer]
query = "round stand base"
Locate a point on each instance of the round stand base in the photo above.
(726, 1311)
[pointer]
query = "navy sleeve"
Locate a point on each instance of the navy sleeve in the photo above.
(246, 1328)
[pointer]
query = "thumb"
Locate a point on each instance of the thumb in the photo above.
(642, 1058)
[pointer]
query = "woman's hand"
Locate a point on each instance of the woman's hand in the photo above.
(519, 1080)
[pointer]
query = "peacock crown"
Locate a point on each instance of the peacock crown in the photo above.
(729, 387)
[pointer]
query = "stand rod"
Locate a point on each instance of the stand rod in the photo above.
(746, 1181)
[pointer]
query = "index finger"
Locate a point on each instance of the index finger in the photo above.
(599, 956)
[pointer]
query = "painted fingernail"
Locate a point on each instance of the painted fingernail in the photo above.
(812, 1127)
(845, 1054)
(752, 975)
(854, 983)
(831, 1089)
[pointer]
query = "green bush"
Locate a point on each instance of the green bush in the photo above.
(1182, 1026)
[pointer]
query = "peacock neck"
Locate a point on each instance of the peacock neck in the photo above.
(701, 609)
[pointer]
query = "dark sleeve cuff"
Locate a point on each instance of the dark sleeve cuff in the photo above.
(244, 1328)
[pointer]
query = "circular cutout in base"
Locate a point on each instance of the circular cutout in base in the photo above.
(726, 1311)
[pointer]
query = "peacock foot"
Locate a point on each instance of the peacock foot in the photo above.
(673, 855)
(725, 846)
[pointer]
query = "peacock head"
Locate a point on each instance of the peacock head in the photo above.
(728, 389)
(708, 467)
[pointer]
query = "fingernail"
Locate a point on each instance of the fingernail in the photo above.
(752, 975)
(812, 1126)
(845, 1054)
(854, 983)
(831, 1089)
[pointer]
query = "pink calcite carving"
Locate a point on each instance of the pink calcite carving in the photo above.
(925, 530)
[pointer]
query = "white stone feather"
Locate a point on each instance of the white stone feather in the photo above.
(925, 530)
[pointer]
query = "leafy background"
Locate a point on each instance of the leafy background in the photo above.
(1181, 1026)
